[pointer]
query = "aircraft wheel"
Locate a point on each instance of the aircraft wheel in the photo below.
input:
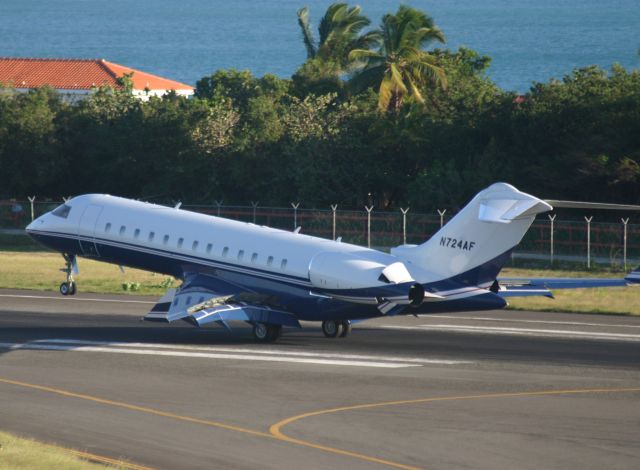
(266, 333)
(72, 288)
(331, 328)
(346, 328)
(64, 288)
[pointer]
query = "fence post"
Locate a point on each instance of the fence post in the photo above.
(588, 219)
(255, 206)
(295, 214)
(442, 213)
(369, 209)
(552, 219)
(624, 242)
(404, 224)
(219, 204)
(334, 207)
(31, 201)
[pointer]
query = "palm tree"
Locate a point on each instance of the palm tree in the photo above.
(339, 33)
(400, 66)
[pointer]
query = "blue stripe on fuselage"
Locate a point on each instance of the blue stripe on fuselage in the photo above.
(294, 289)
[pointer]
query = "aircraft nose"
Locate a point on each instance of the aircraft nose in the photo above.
(34, 224)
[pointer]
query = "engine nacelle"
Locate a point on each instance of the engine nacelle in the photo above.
(331, 270)
(339, 271)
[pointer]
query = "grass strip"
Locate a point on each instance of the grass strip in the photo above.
(40, 271)
(602, 300)
(25, 454)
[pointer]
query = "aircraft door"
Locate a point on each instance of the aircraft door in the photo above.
(86, 231)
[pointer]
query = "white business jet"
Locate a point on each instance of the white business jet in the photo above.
(273, 278)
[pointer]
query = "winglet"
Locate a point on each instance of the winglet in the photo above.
(633, 277)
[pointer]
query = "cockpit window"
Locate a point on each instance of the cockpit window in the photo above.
(62, 211)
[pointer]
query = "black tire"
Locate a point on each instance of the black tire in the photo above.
(332, 328)
(266, 333)
(346, 328)
(64, 288)
(72, 288)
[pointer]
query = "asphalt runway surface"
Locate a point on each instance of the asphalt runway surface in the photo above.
(494, 390)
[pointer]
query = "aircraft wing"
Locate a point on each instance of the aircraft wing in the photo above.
(522, 287)
(204, 299)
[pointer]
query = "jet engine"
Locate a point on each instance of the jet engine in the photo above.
(340, 271)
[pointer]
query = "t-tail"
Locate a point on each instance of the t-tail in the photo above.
(474, 245)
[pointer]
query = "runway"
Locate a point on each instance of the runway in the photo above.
(502, 389)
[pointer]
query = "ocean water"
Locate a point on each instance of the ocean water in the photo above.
(187, 39)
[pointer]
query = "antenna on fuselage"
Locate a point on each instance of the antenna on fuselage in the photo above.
(177, 206)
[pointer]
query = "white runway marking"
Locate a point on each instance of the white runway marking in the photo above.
(521, 331)
(516, 320)
(242, 354)
(77, 299)
(261, 350)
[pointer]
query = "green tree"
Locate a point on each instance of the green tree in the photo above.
(339, 33)
(400, 67)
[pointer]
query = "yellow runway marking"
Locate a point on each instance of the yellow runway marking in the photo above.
(142, 409)
(275, 431)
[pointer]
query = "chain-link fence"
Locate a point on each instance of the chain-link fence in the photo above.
(548, 242)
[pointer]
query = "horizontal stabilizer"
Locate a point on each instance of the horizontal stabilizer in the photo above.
(633, 277)
(512, 285)
(524, 291)
(504, 211)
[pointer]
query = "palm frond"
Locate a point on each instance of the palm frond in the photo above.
(397, 79)
(415, 92)
(359, 54)
(307, 35)
(423, 36)
(329, 21)
(385, 92)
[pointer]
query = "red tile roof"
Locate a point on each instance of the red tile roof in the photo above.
(77, 74)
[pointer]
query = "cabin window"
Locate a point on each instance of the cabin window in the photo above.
(194, 246)
(122, 229)
(180, 241)
(136, 234)
(62, 211)
(254, 257)
(283, 264)
(107, 227)
(166, 239)
(240, 255)
(225, 251)
(269, 260)
(151, 235)
(209, 247)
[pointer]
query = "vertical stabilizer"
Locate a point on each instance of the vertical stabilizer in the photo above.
(474, 245)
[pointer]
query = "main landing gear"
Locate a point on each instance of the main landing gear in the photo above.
(336, 328)
(266, 332)
(69, 286)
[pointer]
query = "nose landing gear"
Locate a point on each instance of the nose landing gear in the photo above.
(69, 286)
